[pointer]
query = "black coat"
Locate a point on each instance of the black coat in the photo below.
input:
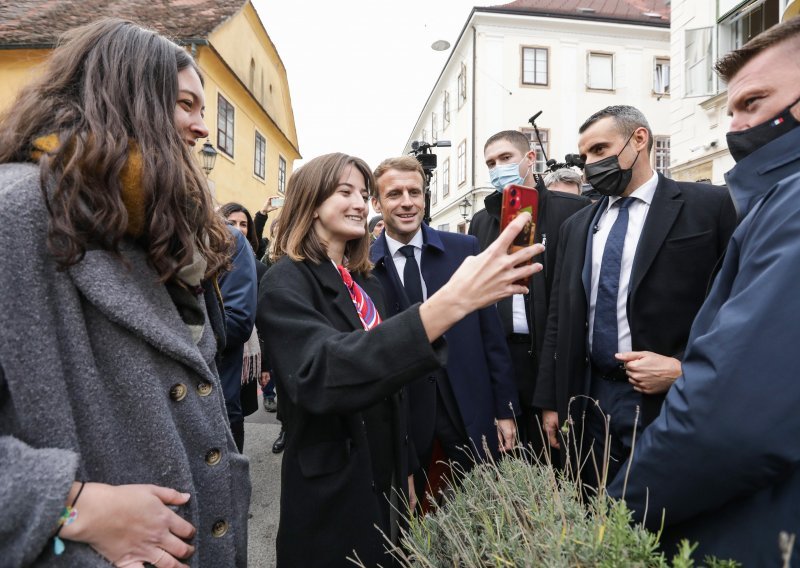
(685, 233)
(555, 207)
(337, 380)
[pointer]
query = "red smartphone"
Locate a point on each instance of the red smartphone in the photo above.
(518, 199)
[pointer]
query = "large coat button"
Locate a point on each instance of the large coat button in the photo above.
(178, 392)
(213, 456)
(204, 389)
(219, 529)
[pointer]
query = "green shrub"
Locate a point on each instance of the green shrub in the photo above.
(520, 515)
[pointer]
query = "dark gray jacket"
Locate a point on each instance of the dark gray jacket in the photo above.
(722, 460)
(89, 361)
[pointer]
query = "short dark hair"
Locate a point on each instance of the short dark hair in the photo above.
(400, 163)
(729, 65)
(517, 138)
(627, 119)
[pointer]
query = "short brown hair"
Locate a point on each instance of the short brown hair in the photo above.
(400, 163)
(515, 137)
(309, 186)
(729, 65)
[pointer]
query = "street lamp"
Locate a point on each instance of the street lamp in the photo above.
(209, 155)
(464, 205)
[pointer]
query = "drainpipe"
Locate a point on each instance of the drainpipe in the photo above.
(474, 101)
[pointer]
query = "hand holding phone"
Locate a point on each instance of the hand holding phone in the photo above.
(277, 201)
(516, 199)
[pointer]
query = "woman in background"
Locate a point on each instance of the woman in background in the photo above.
(255, 369)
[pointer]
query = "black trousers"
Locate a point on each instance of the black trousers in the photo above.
(529, 422)
(448, 430)
(618, 401)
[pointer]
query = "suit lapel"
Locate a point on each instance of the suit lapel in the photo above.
(663, 212)
(134, 299)
(396, 299)
(432, 254)
(588, 230)
(330, 279)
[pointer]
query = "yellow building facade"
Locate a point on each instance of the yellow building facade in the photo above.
(248, 107)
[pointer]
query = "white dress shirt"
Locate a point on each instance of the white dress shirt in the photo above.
(519, 317)
(400, 260)
(637, 213)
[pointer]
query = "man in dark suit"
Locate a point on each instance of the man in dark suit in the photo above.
(460, 404)
(510, 159)
(631, 273)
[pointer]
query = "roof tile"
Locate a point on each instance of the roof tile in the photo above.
(631, 11)
(41, 22)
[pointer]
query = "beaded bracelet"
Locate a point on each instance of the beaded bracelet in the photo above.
(68, 516)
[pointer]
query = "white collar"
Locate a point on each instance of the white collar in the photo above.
(644, 192)
(394, 246)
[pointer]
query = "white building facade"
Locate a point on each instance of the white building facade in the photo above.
(702, 32)
(513, 61)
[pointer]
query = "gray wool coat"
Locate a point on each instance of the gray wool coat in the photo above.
(100, 381)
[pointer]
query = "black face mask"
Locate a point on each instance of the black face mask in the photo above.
(743, 143)
(607, 177)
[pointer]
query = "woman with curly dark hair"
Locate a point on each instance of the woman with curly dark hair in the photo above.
(110, 250)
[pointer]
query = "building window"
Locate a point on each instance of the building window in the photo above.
(259, 164)
(446, 110)
(541, 164)
(662, 154)
(462, 227)
(600, 71)
(224, 125)
(462, 86)
(534, 66)
(698, 75)
(661, 76)
(462, 162)
(446, 177)
(747, 22)
(434, 127)
(434, 187)
(281, 175)
(444, 227)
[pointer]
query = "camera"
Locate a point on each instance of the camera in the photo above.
(570, 161)
(427, 159)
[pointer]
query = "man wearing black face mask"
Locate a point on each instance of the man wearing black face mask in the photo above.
(631, 273)
(722, 458)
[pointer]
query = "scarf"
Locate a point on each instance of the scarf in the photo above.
(251, 365)
(366, 310)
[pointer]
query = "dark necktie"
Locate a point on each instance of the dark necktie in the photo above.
(605, 338)
(411, 279)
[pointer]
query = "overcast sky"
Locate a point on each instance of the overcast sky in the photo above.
(361, 70)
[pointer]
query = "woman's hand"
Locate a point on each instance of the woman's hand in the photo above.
(481, 281)
(132, 524)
